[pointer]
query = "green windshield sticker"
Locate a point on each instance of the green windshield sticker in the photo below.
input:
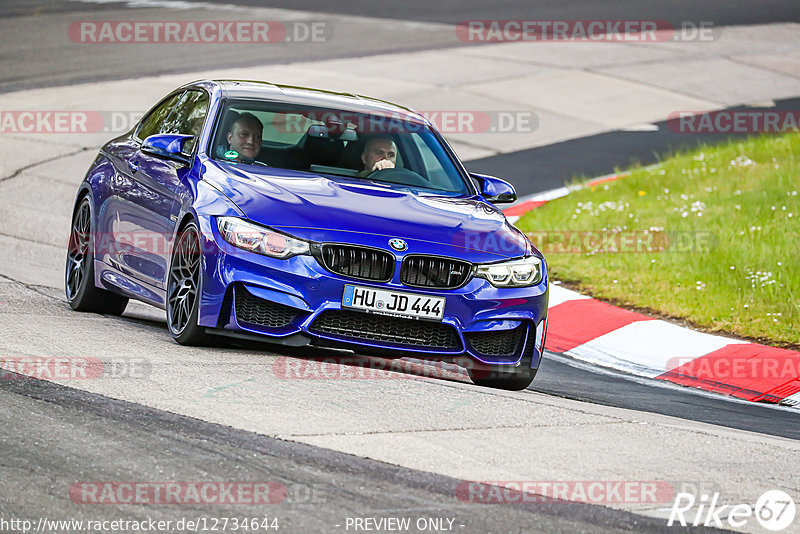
(231, 154)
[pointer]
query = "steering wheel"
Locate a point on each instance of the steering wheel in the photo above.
(399, 175)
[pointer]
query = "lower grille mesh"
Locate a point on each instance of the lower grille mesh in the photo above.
(501, 343)
(253, 310)
(371, 327)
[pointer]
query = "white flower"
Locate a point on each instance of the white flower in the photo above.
(742, 161)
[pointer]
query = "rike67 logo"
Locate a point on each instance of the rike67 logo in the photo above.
(774, 510)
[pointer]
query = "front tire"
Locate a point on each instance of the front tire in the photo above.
(81, 292)
(183, 289)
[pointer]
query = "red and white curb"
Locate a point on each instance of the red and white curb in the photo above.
(600, 334)
(592, 331)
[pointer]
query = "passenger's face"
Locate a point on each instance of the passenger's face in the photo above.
(245, 138)
(377, 150)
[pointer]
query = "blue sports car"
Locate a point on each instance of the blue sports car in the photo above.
(299, 216)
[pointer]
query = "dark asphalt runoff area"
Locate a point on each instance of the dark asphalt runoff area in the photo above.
(571, 380)
(552, 166)
(37, 53)
(65, 436)
(719, 12)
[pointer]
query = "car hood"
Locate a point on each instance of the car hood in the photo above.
(321, 208)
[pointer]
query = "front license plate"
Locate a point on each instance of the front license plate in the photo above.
(393, 303)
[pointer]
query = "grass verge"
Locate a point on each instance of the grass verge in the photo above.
(711, 236)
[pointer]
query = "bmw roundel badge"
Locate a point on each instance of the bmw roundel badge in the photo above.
(398, 244)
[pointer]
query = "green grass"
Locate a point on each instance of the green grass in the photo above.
(728, 218)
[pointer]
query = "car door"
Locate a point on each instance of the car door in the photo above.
(147, 195)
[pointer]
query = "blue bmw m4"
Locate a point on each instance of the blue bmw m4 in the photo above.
(305, 217)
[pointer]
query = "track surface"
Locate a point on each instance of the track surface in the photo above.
(721, 13)
(56, 435)
(69, 435)
(38, 52)
(549, 167)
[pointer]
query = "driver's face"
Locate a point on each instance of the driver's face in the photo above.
(245, 138)
(377, 150)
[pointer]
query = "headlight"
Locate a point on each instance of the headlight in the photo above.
(243, 234)
(514, 273)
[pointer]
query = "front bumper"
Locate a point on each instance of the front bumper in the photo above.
(251, 294)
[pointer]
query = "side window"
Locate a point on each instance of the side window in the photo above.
(152, 122)
(188, 117)
(436, 174)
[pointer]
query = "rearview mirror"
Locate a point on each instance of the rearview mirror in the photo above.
(495, 190)
(168, 146)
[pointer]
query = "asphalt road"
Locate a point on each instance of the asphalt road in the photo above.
(563, 377)
(37, 51)
(57, 436)
(361, 448)
(551, 166)
(719, 12)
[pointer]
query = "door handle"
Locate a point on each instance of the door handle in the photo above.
(133, 165)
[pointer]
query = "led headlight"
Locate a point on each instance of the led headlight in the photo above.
(514, 273)
(248, 236)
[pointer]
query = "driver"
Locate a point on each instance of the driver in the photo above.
(379, 153)
(244, 137)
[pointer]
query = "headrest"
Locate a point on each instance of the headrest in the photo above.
(351, 155)
(322, 150)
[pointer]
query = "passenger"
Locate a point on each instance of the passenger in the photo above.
(244, 137)
(379, 153)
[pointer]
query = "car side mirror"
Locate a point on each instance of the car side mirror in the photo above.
(167, 146)
(495, 190)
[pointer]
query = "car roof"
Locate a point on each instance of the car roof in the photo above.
(261, 90)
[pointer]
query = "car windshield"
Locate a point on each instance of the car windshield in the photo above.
(380, 147)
